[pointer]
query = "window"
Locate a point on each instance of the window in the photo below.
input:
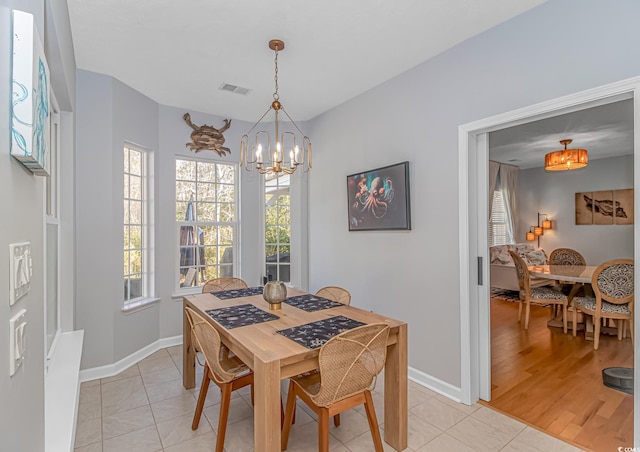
(278, 227)
(499, 229)
(206, 221)
(136, 240)
(52, 226)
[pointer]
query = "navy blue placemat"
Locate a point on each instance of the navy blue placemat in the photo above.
(242, 315)
(237, 293)
(315, 334)
(310, 302)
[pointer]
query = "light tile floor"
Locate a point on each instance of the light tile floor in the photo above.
(145, 408)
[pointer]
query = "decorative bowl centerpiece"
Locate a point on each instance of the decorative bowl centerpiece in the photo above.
(275, 292)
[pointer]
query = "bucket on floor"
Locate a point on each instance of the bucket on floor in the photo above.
(620, 378)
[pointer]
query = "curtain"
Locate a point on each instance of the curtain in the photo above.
(494, 167)
(508, 184)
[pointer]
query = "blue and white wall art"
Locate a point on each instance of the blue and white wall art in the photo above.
(30, 115)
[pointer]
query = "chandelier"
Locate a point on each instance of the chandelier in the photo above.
(566, 159)
(284, 155)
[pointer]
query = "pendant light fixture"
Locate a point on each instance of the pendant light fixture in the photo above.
(287, 151)
(566, 159)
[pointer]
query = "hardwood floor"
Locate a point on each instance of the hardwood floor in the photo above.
(553, 381)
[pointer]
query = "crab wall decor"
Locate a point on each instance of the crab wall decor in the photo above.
(206, 137)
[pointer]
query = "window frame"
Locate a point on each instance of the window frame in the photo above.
(147, 265)
(51, 218)
(196, 223)
(278, 264)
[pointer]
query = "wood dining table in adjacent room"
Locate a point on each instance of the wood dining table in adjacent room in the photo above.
(578, 275)
(261, 342)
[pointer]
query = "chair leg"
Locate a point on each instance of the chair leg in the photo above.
(520, 311)
(621, 324)
(527, 311)
(323, 430)
(564, 318)
(373, 421)
(204, 388)
(288, 415)
(574, 320)
(224, 416)
(336, 420)
(631, 328)
(596, 332)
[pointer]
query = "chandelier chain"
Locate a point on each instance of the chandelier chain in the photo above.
(276, 96)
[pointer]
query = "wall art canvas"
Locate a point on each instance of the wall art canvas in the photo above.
(30, 114)
(379, 198)
(605, 207)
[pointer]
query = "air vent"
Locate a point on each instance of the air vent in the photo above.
(234, 89)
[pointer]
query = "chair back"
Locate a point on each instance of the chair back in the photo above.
(613, 282)
(207, 340)
(350, 362)
(220, 284)
(335, 293)
(566, 256)
(524, 282)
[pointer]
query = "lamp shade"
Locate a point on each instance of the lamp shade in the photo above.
(566, 159)
(538, 231)
(531, 236)
(546, 224)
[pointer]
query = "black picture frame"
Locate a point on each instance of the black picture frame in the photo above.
(378, 199)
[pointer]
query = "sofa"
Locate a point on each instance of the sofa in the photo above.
(502, 271)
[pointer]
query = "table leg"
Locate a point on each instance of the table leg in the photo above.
(395, 392)
(188, 353)
(266, 414)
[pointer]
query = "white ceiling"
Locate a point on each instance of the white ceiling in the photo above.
(604, 131)
(180, 52)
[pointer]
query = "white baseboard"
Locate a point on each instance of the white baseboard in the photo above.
(110, 370)
(439, 386)
(62, 390)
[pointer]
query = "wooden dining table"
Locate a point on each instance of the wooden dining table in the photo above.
(273, 357)
(577, 275)
(570, 273)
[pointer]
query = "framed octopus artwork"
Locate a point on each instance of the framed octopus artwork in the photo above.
(379, 198)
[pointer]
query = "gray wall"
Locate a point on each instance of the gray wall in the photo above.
(22, 396)
(109, 114)
(553, 193)
(414, 275)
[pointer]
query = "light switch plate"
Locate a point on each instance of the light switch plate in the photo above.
(17, 340)
(19, 270)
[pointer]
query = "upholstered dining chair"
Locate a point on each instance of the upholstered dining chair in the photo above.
(335, 293)
(228, 372)
(220, 284)
(566, 256)
(348, 366)
(536, 295)
(612, 284)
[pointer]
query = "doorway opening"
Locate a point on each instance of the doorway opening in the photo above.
(474, 268)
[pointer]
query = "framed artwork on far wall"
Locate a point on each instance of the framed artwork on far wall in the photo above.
(378, 199)
(605, 207)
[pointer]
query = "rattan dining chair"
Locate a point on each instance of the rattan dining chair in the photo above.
(536, 295)
(220, 284)
(228, 372)
(348, 366)
(612, 284)
(335, 293)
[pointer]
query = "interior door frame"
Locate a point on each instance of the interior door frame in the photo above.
(473, 157)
